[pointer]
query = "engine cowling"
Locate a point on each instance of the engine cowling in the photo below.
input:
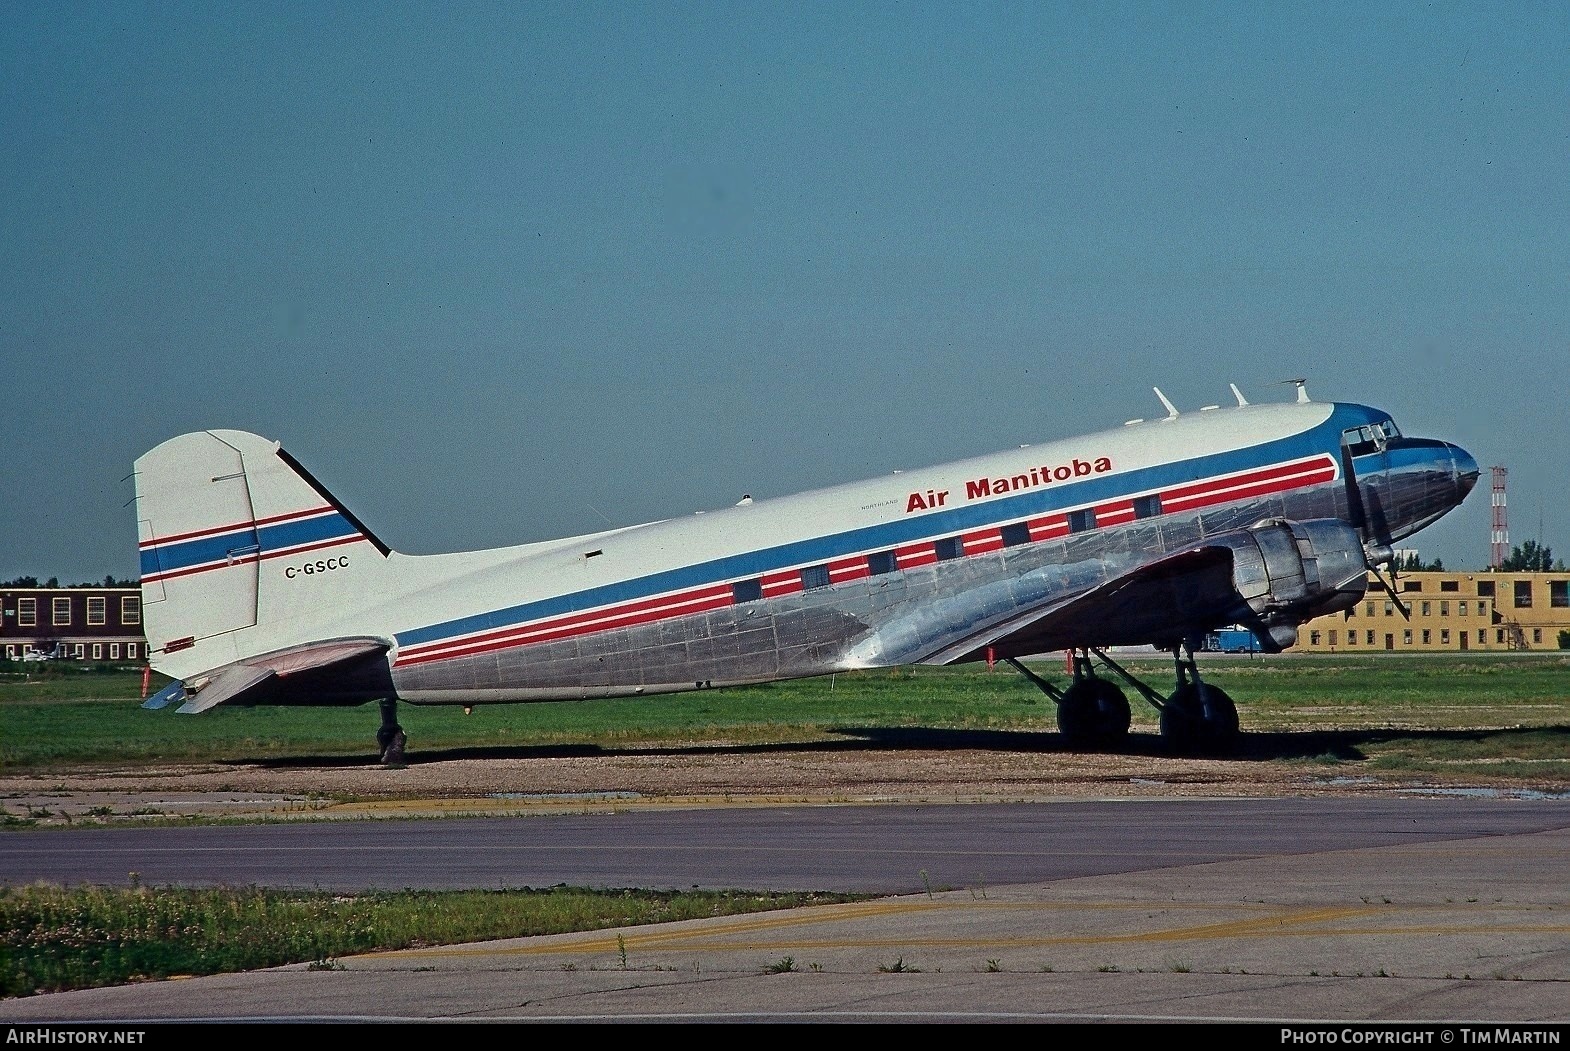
(1288, 572)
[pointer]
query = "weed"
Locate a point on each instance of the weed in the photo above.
(926, 883)
(993, 966)
(323, 964)
(899, 966)
(1178, 967)
(815, 968)
(784, 965)
(621, 951)
(1108, 968)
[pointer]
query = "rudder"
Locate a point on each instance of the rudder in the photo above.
(220, 514)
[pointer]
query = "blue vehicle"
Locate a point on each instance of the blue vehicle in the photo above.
(1232, 640)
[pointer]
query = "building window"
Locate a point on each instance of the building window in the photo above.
(1368, 637)
(77, 651)
(1461, 608)
(815, 577)
(947, 548)
(130, 609)
(1333, 635)
(1444, 636)
(62, 610)
(1559, 593)
(130, 650)
(1482, 636)
(1485, 588)
(1427, 609)
(1411, 585)
(114, 651)
(1389, 608)
(1369, 609)
(27, 612)
(881, 562)
(1444, 609)
(1537, 634)
(1499, 635)
(97, 609)
(1081, 521)
(1428, 636)
(98, 651)
(1523, 594)
(1015, 534)
(1147, 506)
(747, 590)
(1406, 637)
(1313, 638)
(10, 653)
(1449, 585)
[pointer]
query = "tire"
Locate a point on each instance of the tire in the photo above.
(1093, 714)
(1200, 719)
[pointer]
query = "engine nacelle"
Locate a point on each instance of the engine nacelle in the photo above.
(1289, 572)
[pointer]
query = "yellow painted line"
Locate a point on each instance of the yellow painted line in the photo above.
(731, 935)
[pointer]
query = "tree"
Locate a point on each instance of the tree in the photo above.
(1528, 557)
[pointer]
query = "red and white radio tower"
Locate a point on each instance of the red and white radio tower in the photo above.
(1501, 530)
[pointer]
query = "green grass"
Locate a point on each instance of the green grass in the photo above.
(1448, 709)
(53, 939)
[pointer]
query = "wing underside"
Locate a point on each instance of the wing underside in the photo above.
(1159, 603)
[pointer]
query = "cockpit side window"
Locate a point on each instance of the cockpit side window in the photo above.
(1369, 438)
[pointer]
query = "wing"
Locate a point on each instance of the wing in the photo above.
(1161, 602)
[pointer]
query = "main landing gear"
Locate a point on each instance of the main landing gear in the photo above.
(389, 736)
(1093, 713)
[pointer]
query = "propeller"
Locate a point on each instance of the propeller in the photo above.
(1377, 551)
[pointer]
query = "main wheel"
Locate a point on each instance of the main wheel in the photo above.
(1199, 719)
(1093, 714)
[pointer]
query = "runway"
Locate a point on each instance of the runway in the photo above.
(1290, 911)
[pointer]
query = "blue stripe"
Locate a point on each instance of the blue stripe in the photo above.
(1029, 504)
(168, 558)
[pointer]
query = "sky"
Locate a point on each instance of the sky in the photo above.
(503, 272)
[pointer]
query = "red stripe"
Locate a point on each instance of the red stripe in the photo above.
(1230, 494)
(1248, 478)
(718, 593)
(219, 530)
(782, 582)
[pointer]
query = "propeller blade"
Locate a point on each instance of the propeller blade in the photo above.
(1354, 494)
(1390, 589)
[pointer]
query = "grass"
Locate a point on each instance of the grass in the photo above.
(53, 939)
(1506, 713)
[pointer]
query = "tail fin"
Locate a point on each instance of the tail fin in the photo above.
(241, 549)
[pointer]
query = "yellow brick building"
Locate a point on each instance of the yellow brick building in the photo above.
(1450, 612)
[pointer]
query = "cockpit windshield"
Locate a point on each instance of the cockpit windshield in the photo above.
(1371, 437)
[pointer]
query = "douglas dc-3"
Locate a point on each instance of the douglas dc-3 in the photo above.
(260, 588)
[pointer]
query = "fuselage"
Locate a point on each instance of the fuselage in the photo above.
(886, 571)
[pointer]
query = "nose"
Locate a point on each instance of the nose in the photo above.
(1464, 469)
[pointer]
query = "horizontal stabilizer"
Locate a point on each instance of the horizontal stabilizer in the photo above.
(228, 685)
(175, 691)
(246, 682)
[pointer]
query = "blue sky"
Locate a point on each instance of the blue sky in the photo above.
(499, 272)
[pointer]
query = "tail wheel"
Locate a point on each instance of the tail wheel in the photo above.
(1200, 719)
(1093, 714)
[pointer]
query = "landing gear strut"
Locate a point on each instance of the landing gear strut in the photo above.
(1092, 712)
(389, 736)
(1198, 718)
